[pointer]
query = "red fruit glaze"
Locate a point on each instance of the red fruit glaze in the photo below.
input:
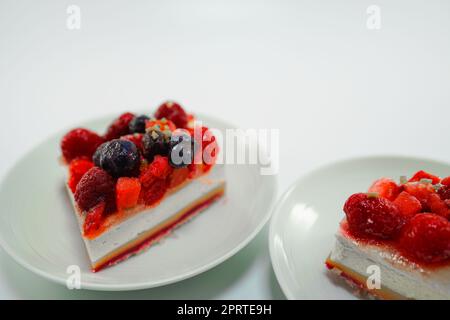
(373, 217)
(386, 188)
(160, 167)
(95, 186)
(77, 168)
(78, 143)
(408, 205)
(174, 112)
(127, 192)
(427, 238)
(419, 175)
(119, 127)
(93, 220)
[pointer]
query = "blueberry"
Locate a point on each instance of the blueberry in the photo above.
(137, 124)
(182, 149)
(180, 136)
(155, 143)
(120, 158)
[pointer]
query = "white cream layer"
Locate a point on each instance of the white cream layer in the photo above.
(397, 274)
(131, 228)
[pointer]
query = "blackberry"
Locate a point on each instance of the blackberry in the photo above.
(137, 124)
(155, 143)
(120, 158)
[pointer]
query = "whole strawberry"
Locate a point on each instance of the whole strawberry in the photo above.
(427, 238)
(373, 217)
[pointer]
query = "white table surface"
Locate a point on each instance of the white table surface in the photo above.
(313, 69)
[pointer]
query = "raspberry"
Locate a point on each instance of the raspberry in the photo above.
(386, 188)
(136, 138)
(446, 181)
(178, 176)
(160, 167)
(119, 127)
(419, 175)
(407, 204)
(127, 192)
(153, 188)
(438, 206)
(444, 192)
(375, 217)
(426, 237)
(79, 142)
(174, 112)
(77, 168)
(93, 220)
(95, 186)
(421, 191)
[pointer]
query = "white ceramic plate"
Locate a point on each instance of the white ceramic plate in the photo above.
(307, 217)
(39, 230)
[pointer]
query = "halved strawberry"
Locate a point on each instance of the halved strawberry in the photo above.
(386, 188)
(127, 192)
(93, 220)
(419, 175)
(407, 204)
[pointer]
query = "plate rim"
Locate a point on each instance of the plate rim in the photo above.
(277, 213)
(147, 284)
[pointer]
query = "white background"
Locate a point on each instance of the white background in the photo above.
(313, 69)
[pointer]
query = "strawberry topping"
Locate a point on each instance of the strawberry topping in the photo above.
(373, 217)
(427, 238)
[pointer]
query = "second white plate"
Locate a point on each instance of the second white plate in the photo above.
(307, 217)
